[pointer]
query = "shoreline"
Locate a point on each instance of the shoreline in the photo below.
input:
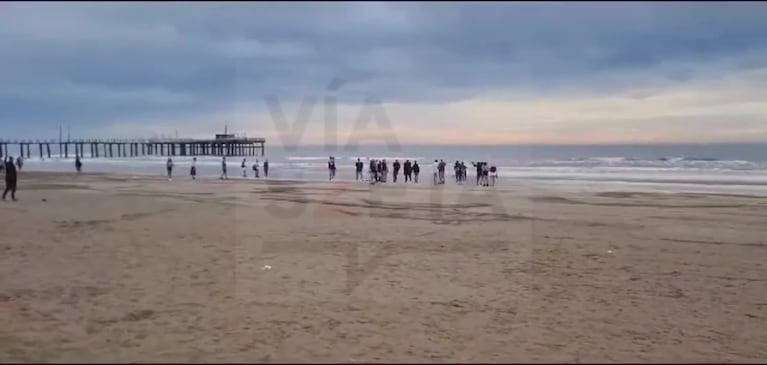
(564, 185)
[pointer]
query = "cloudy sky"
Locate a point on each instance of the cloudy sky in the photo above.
(489, 73)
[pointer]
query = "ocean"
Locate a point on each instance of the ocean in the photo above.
(726, 168)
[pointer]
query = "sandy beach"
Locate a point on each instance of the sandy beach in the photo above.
(99, 268)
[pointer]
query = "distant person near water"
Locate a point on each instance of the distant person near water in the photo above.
(435, 172)
(193, 170)
(10, 178)
(493, 175)
(19, 162)
(407, 170)
(416, 171)
(78, 164)
(442, 166)
(358, 167)
(244, 167)
(396, 166)
(255, 170)
(478, 165)
(169, 168)
(223, 169)
(373, 171)
(332, 168)
(266, 168)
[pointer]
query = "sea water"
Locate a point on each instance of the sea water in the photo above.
(734, 168)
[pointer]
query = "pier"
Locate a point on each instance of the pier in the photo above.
(222, 145)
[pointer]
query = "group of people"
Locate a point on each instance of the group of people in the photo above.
(379, 171)
(486, 174)
(169, 165)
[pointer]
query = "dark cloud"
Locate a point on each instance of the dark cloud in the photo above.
(89, 63)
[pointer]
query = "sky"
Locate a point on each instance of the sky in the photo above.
(365, 72)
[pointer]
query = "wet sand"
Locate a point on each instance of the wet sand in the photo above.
(99, 268)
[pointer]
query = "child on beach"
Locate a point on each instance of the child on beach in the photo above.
(169, 168)
(193, 170)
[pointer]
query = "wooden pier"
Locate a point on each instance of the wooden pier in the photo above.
(222, 145)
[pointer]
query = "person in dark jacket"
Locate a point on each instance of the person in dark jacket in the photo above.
(478, 165)
(407, 170)
(78, 164)
(416, 171)
(266, 168)
(358, 167)
(396, 166)
(10, 178)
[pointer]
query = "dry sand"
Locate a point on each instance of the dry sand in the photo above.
(111, 268)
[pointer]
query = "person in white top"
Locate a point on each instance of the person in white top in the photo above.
(435, 171)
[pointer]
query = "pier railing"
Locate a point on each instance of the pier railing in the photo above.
(105, 147)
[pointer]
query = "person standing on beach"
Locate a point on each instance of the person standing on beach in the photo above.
(223, 169)
(255, 170)
(493, 175)
(358, 166)
(373, 171)
(485, 174)
(266, 168)
(435, 172)
(244, 167)
(407, 170)
(465, 171)
(19, 162)
(396, 166)
(331, 168)
(478, 165)
(78, 164)
(416, 171)
(10, 178)
(169, 168)
(384, 170)
(193, 170)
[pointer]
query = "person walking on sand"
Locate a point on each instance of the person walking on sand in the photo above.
(78, 164)
(358, 166)
(396, 167)
(244, 167)
(407, 170)
(193, 170)
(10, 178)
(169, 168)
(416, 171)
(223, 169)
(266, 168)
